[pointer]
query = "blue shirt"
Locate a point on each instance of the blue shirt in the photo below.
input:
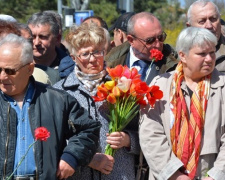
(24, 135)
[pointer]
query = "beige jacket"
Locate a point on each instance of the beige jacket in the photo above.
(155, 132)
(220, 55)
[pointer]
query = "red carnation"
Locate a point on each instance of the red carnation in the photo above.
(41, 134)
(156, 55)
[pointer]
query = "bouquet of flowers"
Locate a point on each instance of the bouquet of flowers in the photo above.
(124, 93)
(41, 134)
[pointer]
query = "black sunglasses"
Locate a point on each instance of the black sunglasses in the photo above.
(11, 71)
(161, 38)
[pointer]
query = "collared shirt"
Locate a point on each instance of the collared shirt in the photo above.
(24, 135)
(133, 59)
(151, 72)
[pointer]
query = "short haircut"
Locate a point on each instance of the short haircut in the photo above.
(135, 18)
(102, 21)
(86, 35)
(194, 36)
(57, 17)
(200, 3)
(14, 41)
(8, 27)
(45, 19)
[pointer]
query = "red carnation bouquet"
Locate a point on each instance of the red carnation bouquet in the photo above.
(41, 134)
(124, 93)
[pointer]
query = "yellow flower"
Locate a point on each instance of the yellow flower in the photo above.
(110, 84)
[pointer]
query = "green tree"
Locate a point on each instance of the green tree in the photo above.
(149, 5)
(23, 9)
(105, 9)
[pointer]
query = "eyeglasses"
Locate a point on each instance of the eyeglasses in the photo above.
(11, 71)
(87, 56)
(149, 41)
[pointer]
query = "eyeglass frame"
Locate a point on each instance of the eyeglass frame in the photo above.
(153, 38)
(7, 70)
(91, 54)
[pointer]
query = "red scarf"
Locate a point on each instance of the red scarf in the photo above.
(186, 132)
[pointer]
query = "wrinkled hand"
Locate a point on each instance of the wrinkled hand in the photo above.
(118, 140)
(64, 170)
(179, 176)
(102, 162)
(208, 178)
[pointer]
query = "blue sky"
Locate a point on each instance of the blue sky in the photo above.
(182, 3)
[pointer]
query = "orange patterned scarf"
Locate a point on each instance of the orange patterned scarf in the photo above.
(186, 131)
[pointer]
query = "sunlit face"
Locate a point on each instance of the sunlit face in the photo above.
(200, 61)
(206, 17)
(145, 29)
(94, 64)
(13, 85)
(44, 42)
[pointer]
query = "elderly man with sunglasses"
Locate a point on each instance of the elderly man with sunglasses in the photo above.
(26, 105)
(145, 33)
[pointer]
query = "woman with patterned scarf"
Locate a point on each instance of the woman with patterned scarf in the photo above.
(183, 137)
(87, 49)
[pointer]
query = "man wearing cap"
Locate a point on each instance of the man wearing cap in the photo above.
(145, 33)
(120, 28)
(120, 42)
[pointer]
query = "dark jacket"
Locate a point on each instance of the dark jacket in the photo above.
(117, 55)
(63, 116)
(61, 67)
(66, 64)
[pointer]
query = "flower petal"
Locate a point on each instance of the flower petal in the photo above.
(41, 133)
(110, 84)
(111, 98)
(124, 84)
(116, 91)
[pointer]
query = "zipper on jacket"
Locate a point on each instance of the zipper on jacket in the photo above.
(7, 143)
(35, 157)
(72, 125)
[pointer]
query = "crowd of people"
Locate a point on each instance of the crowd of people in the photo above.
(49, 82)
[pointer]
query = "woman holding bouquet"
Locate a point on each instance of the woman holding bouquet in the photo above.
(184, 136)
(87, 50)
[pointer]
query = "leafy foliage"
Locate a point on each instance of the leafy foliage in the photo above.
(24, 9)
(107, 10)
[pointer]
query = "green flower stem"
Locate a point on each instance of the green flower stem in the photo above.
(120, 115)
(21, 160)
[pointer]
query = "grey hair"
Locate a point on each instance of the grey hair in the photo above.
(194, 36)
(57, 17)
(42, 18)
(14, 41)
(135, 18)
(202, 3)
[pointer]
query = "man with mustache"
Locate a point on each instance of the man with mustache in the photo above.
(205, 14)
